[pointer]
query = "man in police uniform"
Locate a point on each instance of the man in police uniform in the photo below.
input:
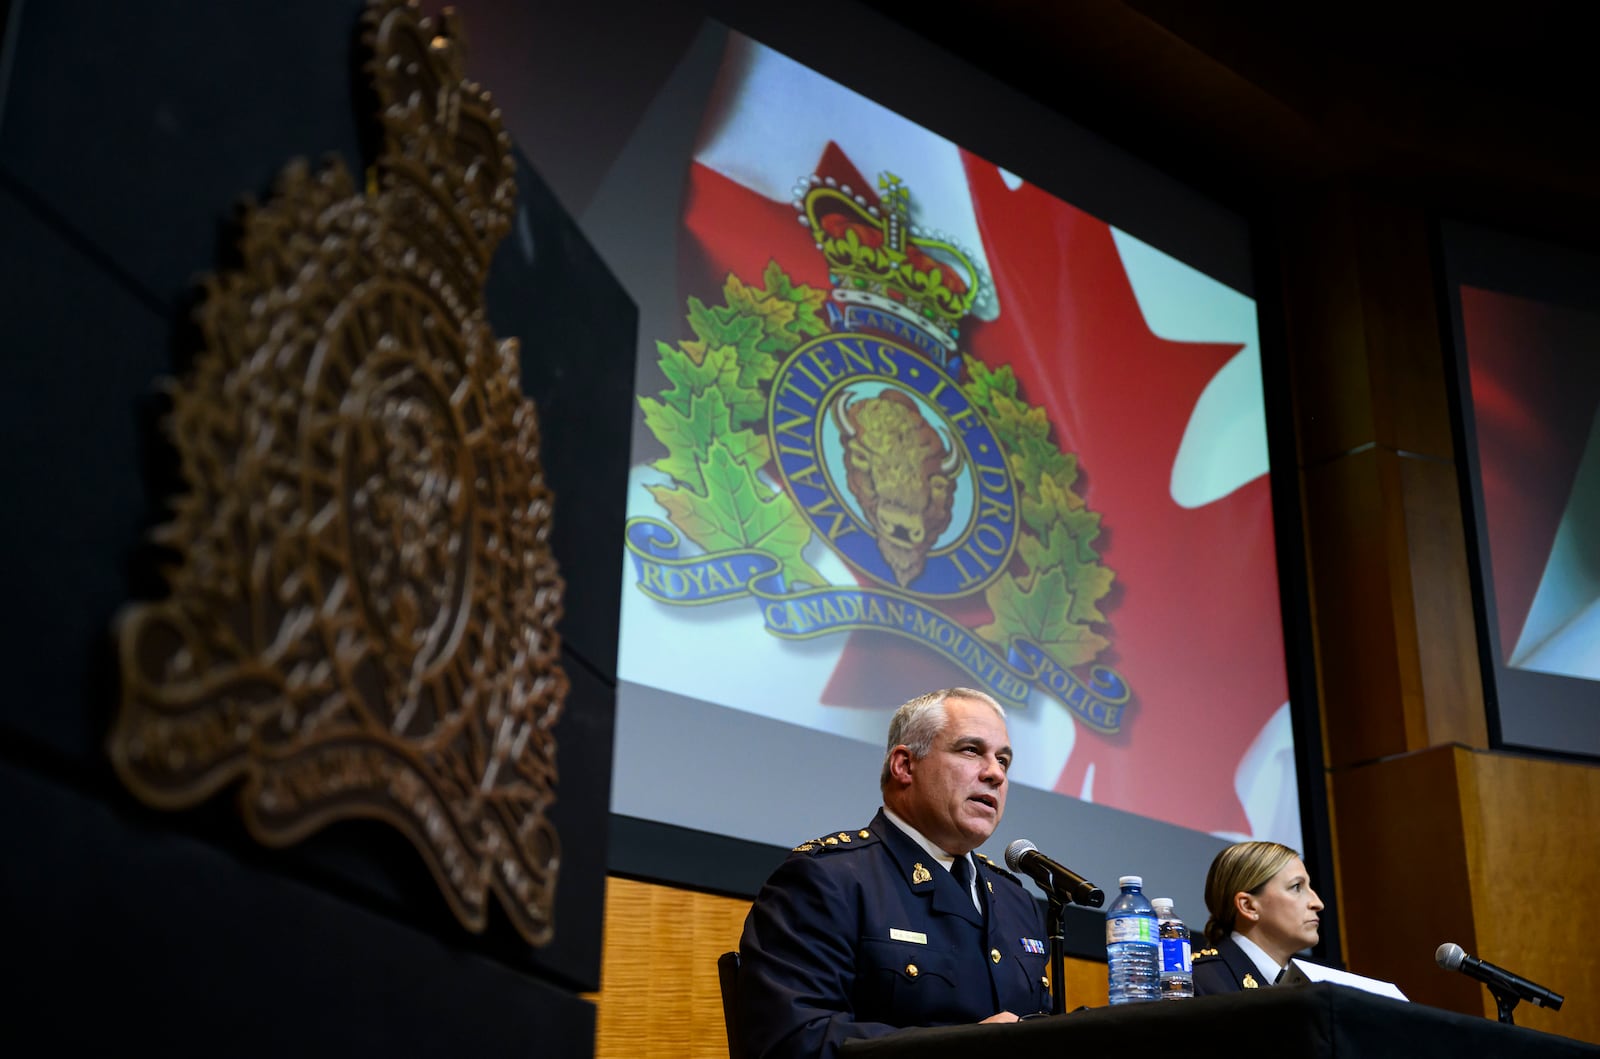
(896, 924)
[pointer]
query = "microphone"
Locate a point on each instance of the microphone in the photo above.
(1451, 958)
(1052, 876)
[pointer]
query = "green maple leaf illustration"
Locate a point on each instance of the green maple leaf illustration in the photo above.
(687, 436)
(1084, 526)
(985, 384)
(688, 375)
(723, 325)
(805, 317)
(716, 369)
(717, 388)
(1087, 584)
(1048, 502)
(750, 364)
(787, 315)
(1041, 615)
(1059, 591)
(737, 511)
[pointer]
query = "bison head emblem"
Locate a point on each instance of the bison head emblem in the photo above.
(903, 473)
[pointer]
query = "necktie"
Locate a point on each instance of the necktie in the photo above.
(961, 871)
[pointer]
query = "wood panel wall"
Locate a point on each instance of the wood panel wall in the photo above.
(1386, 544)
(1497, 852)
(1535, 873)
(659, 995)
(1404, 884)
(1435, 837)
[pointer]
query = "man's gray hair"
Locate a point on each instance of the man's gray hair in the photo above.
(918, 723)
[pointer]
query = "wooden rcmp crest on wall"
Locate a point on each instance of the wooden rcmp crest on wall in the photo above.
(363, 621)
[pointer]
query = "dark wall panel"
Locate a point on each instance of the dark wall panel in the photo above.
(128, 135)
(142, 125)
(77, 418)
(551, 291)
(125, 934)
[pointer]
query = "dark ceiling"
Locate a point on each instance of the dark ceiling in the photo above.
(1484, 110)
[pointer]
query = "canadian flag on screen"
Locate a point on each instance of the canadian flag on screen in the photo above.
(1147, 396)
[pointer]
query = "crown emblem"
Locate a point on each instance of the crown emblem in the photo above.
(879, 261)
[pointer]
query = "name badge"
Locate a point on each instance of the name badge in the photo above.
(914, 936)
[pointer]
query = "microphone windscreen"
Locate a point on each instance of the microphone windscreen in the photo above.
(1449, 956)
(1015, 851)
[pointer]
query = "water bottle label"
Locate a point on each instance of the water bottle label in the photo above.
(1175, 955)
(1130, 928)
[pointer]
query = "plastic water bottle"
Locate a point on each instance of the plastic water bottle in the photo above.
(1177, 973)
(1132, 945)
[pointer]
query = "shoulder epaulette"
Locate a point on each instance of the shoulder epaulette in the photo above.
(837, 840)
(996, 868)
(1204, 953)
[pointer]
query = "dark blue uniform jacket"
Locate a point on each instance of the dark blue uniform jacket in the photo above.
(1225, 970)
(860, 933)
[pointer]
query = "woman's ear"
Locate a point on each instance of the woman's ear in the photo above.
(1244, 903)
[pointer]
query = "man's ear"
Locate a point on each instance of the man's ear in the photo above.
(901, 764)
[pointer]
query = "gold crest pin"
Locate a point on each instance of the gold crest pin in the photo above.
(920, 875)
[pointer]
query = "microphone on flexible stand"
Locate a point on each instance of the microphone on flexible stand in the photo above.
(1063, 886)
(1052, 876)
(1507, 988)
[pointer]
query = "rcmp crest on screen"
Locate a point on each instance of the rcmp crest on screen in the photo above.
(892, 465)
(860, 405)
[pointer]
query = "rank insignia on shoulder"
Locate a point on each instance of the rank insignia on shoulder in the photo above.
(919, 874)
(837, 840)
(1205, 952)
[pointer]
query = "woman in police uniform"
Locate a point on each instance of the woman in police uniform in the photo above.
(1263, 911)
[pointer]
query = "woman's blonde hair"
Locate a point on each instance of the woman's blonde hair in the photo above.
(1243, 867)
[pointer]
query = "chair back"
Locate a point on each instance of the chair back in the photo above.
(728, 976)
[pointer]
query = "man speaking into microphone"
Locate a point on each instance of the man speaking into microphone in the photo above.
(871, 929)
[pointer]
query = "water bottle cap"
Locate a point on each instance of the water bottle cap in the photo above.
(1161, 904)
(1131, 880)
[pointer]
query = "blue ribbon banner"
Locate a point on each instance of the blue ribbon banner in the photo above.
(666, 576)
